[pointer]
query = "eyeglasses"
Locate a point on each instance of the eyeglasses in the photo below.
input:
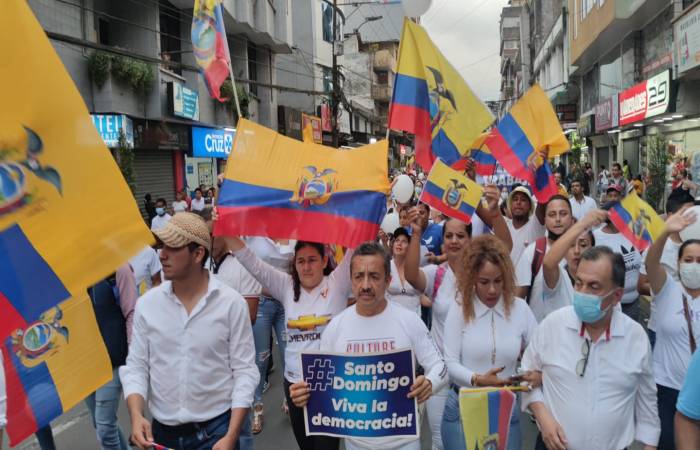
(583, 362)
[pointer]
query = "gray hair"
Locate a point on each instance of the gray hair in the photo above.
(616, 261)
(370, 249)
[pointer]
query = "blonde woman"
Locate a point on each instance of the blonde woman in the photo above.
(485, 331)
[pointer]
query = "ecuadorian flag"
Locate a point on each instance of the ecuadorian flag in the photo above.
(432, 101)
(209, 45)
(486, 417)
(280, 187)
(451, 193)
(67, 220)
(529, 127)
(484, 162)
(637, 221)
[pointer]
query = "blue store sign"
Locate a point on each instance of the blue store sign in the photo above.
(184, 101)
(212, 142)
(109, 125)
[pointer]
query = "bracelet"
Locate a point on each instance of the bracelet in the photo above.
(475, 379)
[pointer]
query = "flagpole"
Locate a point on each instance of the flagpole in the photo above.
(235, 91)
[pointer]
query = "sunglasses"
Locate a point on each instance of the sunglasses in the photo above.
(583, 362)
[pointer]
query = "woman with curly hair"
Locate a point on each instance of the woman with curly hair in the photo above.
(485, 332)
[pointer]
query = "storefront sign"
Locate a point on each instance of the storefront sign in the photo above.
(566, 113)
(109, 125)
(686, 32)
(647, 99)
(326, 123)
(212, 142)
(184, 101)
(161, 136)
(585, 125)
(315, 125)
(289, 121)
(606, 114)
(360, 396)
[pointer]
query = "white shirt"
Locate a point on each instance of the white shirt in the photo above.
(180, 206)
(489, 340)
(578, 210)
(159, 222)
(561, 295)
(393, 329)
(633, 260)
(669, 261)
(307, 317)
(195, 367)
(614, 402)
(672, 349)
(442, 300)
(232, 273)
(402, 293)
(146, 264)
(197, 205)
(524, 236)
(523, 277)
(3, 395)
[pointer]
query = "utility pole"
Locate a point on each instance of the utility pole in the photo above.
(335, 96)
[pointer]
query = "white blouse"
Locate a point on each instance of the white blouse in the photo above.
(402, 293)
(488, 341)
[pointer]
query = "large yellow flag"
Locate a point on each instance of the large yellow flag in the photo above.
(67, 219)
(432, 101)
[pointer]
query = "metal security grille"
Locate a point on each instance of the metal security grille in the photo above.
(154, 174)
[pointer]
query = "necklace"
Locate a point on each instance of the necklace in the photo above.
(493, 338)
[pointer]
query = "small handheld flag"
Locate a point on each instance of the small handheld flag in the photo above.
(486, 417)
(529, 127)
(451, 193)
(637, 221)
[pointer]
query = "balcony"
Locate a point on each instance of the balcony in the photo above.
(384, 60)
(381, 93)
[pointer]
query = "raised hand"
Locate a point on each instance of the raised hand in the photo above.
(680, 220)
(594, 218)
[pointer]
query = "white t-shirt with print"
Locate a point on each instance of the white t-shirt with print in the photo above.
(145, 265)
(310, 314)
(403, 294)
(672, 348)
(633, 260)
(393, 329)
(669, 261)
(524, 236)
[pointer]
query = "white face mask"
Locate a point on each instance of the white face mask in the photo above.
(690, 275)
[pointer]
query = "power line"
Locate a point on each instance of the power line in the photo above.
(477, 61)
(467, 14)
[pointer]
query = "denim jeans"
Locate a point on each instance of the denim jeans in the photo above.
(666, 399)
(204, 438)
(103, 405)
(270, 315)
(453, 433)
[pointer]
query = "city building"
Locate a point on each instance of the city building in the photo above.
(515, 55)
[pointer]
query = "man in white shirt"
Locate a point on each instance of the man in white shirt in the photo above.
(198, 202)
(162, 217)
(191, 350)
(598, 390)
(558, 220)
(374, 320)
(524, 228)
(146, 266)
(580, 203)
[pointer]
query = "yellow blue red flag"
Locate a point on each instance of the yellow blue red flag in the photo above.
(480, 154)
(451, 193)
(486, 417)
(432, 101)
(210, 45)
(67, 217)
(283, 188)
(51, 365)
(529, 127)
(637, 221)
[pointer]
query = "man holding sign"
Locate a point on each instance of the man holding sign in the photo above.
(375, 326)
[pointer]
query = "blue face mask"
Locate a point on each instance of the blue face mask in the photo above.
(587, 306)
(160, 211)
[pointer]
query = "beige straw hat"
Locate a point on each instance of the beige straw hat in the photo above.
(184, 228)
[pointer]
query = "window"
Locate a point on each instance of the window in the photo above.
(253, 69)
(327, 79)
(327, 21)
(103, 31)
(357, 123)
(170, 48)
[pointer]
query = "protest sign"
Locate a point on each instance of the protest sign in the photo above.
(360, 396)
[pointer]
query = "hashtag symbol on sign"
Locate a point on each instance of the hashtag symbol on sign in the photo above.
(320, 374)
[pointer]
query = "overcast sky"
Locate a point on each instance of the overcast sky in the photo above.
(466, 31)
